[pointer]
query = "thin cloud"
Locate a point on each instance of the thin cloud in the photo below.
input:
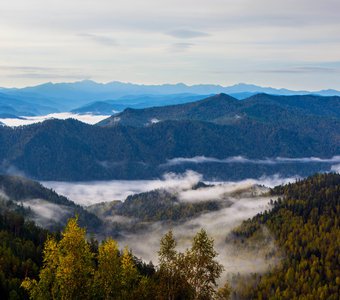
(244, 160)
(99, 39)
(147, 28)
(187, 34)
(45, 76)
(181, 47)
(297, 70)
(3, 195)
(47, 214)
(27, 68)
(335, 168)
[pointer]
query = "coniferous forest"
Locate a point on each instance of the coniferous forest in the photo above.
(304, 222)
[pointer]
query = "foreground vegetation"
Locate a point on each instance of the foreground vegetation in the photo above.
(76, 269)
(304, 223)
(21, 245)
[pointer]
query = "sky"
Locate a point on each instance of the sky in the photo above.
(293, 43)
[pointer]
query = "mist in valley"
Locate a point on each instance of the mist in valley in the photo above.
(218, 224)
(29, 120)
(93, 192)
(239, 201)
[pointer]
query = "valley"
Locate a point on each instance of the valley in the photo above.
(169, 150)
(239, 217)
(231, 166)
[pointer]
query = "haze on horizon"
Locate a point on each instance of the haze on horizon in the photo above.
(289, 44)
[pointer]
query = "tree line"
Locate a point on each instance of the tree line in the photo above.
(74, 268)
(306, 226)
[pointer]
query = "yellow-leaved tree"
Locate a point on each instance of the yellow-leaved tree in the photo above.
(68, 267)
(109, 273)
(130, 274)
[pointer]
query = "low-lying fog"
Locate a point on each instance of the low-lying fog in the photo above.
(88, 193)
(89, 119)
(218, 224)
(246, 202)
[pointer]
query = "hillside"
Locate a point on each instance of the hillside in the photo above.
(139, 211)
(305, 225)
(204, 110)
(71, 150)
(22, 106)
(42, 205)
(21, 251)
(224, 109)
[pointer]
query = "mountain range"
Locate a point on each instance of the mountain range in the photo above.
(224, 109)
(234, 139)
(88, 96)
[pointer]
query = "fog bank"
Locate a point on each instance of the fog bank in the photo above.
(244, 160)
(89, 119)
(88, 193)
(218, 224)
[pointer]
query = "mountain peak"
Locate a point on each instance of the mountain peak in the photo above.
(220, 96)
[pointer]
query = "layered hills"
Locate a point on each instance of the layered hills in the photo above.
(138, 144)
(89, 96)
(224, 109)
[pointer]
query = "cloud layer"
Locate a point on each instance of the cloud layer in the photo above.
(239, 201)
(89, 119)
(47, 213)
(264, 42)
(88, 193)
(218, 225)
(244, 160)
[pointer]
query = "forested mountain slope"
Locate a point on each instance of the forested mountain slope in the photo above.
(141, 101)
(20, 252)
(305, 225)
(71, 150)
(224, 109)
(141, 142)
(46, 207)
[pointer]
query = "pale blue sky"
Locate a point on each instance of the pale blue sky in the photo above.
(292, 44)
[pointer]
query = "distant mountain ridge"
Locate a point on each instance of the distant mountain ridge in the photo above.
(16, 106)
(224, 109)
(73, 96)
(122, 88)
(135, 101)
